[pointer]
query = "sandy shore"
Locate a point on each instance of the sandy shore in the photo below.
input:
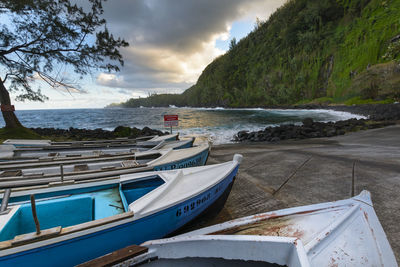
(295, 173)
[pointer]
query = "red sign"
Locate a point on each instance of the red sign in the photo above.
(170, 117)
(170, 120)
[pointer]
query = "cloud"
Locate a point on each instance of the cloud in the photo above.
(172, 41)
(110, 80)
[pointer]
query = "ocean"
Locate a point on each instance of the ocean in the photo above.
(219, 123)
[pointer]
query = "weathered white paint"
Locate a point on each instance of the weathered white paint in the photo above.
(340, 233)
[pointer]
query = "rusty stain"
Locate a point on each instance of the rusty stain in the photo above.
(298, 233)
(366, 216)
(373, 235)
(273, 227)
(327, 233)
(265, 216)
(333, 263)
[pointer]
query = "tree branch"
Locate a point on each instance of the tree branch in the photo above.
(17, 48)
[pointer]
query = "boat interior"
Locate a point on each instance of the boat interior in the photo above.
(68, 208)
(73, 167)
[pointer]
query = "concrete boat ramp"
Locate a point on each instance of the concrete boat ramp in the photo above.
(303, 172)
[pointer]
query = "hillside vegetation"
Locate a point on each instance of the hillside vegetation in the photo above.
(323, 51)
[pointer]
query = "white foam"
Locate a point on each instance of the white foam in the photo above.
(224, 134)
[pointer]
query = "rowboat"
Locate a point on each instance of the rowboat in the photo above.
(48, 143)
(98, 168)
(76, 223)
(341, 233)
(56, 160)
(9, 152)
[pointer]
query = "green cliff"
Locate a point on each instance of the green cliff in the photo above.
(326, 50)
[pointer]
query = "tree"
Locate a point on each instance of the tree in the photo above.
(232, 44)
(37, 37)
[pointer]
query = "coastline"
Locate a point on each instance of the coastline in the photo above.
(379, 115)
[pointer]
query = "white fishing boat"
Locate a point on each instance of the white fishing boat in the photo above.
(340, 233)
(10, 152)
(48, 143)
(79, 222)
(89, 169)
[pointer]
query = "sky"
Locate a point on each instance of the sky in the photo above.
(171, 42)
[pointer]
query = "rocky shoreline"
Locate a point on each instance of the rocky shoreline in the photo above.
(378, 116)
(86, 134)
(309, 129)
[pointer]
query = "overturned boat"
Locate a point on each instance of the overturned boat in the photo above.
(71, 224)
(341, 233)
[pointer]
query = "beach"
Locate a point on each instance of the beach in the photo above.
(293, 173)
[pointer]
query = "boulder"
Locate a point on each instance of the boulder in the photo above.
(308, 122)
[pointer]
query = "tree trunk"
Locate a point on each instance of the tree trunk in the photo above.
(6, 109)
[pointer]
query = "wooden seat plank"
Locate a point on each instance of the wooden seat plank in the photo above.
(116, 257)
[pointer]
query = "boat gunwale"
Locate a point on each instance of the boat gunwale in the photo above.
(83, 159)
(233, 166)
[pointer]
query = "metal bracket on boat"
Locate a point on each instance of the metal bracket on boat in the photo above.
(4, 202)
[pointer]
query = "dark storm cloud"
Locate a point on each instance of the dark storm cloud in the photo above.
(176, 24)
(171, 41)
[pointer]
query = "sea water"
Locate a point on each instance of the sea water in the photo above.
(218, 123)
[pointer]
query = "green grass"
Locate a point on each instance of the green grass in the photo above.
(322, 100)
(345, 101)
(18, 133)
(359, 101)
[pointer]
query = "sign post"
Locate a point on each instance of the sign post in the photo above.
(170, 120)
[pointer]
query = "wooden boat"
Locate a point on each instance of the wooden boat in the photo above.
(48, 143)
(76, 223)
(9, 152)
(341, 233)
(97, 168)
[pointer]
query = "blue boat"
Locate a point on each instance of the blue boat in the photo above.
(83, 221)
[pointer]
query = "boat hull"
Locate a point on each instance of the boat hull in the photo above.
(75, 248)
(199, 159)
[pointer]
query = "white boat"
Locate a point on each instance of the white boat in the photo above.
(49, 143)
(10, 152)
(79, 222)
(340, 233)
(89, 169)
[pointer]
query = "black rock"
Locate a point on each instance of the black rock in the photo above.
(308, 122)
(275, 139)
